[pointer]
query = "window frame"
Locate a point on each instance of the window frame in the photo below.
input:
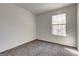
(64, 24)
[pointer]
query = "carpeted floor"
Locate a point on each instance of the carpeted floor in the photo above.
(40, 48)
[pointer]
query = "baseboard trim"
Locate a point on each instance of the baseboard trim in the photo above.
(58, 44)
(44, 41)
(17, 46)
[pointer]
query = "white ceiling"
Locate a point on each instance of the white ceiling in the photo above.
(37, 8)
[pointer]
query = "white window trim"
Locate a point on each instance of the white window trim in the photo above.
(64, 34)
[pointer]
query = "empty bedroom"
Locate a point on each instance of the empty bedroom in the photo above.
(39, 29)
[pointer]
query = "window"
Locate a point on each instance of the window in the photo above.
(59, 25)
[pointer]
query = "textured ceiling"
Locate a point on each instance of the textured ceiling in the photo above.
(38, 8)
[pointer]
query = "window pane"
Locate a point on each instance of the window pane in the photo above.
(59, 19)
(59, 30)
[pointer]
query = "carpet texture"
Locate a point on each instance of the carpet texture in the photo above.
(40, 48)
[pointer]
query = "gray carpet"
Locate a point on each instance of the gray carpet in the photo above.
(40, 48)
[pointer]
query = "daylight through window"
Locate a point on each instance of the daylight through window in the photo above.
(59, 24)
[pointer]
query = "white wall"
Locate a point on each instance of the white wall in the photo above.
(17, 26)
(44, 26)
(78, 26)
